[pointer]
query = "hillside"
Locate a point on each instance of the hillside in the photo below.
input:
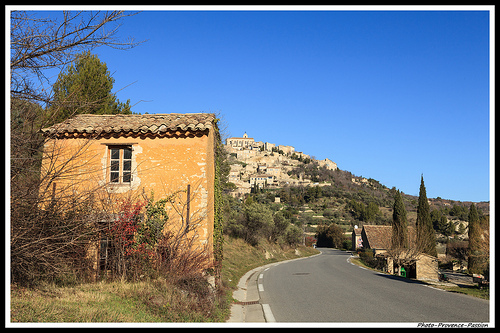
(313, 192)
(268, 165)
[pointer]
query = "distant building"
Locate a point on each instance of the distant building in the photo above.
(263, 163)
(377, 238)
(275, 171)
(357, 241)
(260, 180)
(329, 164)
(287, 150)
(269, 146)
(245, 154)
(243, 142)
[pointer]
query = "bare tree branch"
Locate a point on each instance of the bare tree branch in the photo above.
(38, 44)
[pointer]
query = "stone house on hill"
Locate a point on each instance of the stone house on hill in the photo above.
(377, 238)
(126, 156)
(261, 180)
(243, 142)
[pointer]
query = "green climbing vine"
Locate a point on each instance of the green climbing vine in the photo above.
(218, 239)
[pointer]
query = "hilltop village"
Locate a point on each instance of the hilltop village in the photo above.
(257, 164)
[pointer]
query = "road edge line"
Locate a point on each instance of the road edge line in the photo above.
(242, 286)
(268, 314)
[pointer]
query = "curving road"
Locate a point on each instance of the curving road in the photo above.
(327, 288)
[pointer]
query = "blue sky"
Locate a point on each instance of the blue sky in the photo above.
(387, 95)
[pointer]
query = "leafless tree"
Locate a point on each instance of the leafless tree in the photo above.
(57, 214)
(405, 254)
(42, 43)
(49, 223)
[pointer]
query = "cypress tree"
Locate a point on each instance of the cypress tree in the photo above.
(399, 223)
(426, 240)
(474, 249)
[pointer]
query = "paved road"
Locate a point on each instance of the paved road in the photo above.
(327, 288)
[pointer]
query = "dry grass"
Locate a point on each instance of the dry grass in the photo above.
(145, 302)
(468, 290)
(240, 257)
(181, 299)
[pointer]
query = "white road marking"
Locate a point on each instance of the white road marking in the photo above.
(268, 314)
(261, 287)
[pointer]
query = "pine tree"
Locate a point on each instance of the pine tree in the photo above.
(399, 223)
(85, 87)
(426, 240)
(474, 249)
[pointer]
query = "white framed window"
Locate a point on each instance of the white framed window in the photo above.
(120, 164)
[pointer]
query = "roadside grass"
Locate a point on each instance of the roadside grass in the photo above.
(152, 301)
(148, 301)
(360, 263)
(240, 257)
(468, 290)
(462, 289)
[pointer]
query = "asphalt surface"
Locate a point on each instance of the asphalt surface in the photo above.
(327, 288)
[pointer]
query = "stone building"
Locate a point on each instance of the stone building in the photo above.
(116, 157)
(287, 150)
(423, 267)
(264, 158)
(274, 171)
(269, 146)
(245, 154)
(377, 238)
(356, 240)
(261, 180)
(243, 142)
(329, 164)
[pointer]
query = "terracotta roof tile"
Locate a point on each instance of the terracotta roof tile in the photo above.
(379, 236)
(146, 123)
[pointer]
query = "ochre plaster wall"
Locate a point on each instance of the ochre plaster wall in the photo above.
(165, 165)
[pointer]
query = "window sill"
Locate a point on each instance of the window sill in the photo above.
(118, 187)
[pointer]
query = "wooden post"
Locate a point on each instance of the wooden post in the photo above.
(53, 192)
(187, 208)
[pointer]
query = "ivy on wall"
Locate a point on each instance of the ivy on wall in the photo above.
(218, 237)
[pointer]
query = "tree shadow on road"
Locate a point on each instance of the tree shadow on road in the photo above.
(400, 278)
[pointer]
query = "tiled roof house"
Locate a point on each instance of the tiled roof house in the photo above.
(132, 125)
(378, 239)
(118, 156)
